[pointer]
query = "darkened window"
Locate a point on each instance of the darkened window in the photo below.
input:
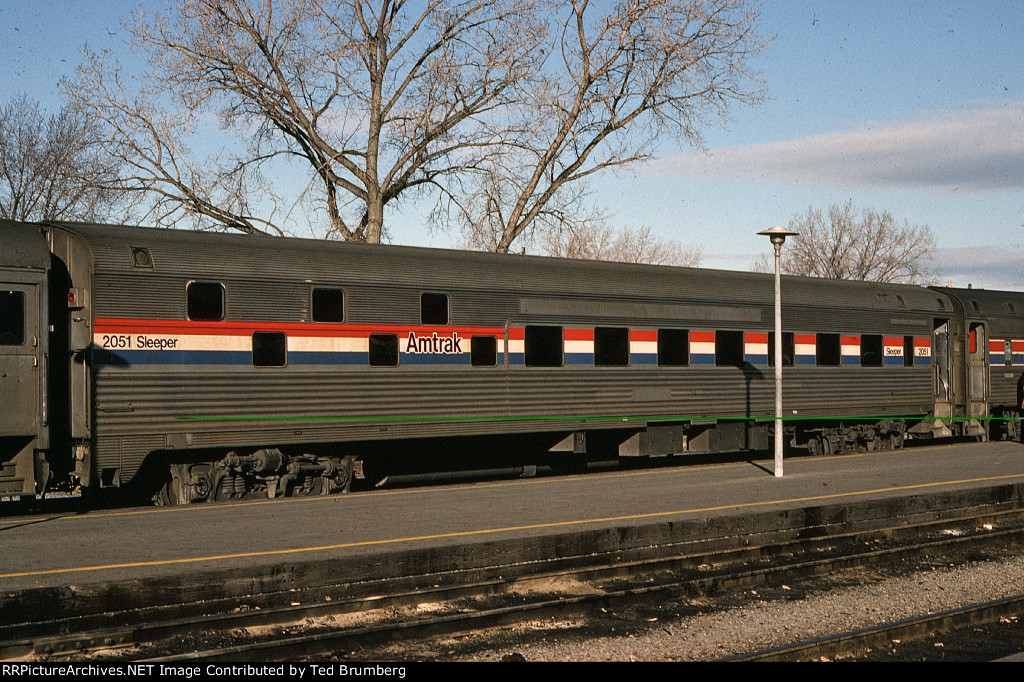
(788, 349)
(611, 346)
(205, 301)
(828, 351)
(729, 348)
(12, 318)
(908, 351)
(269, 349)
(434, 308)
(872, 350)
(483, 351)
(543, 346)
(328, 305)
(383, 350)
(673, 347)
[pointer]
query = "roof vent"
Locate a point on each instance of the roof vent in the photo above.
(141, 257)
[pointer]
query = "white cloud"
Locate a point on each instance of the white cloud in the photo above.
(980, 149)
(986, 267)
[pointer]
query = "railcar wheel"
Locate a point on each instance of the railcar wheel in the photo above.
(173, 491)
(827, 446)
(814, 447)
(185, 484)
(342, 481)
(201, 483)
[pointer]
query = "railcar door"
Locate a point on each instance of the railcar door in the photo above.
(942, 364)
(23, 357)
(977, 378)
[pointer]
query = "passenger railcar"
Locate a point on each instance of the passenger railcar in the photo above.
(210, 366)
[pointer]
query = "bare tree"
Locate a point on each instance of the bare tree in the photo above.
(51, 167)
(364, 104)
(504, 107)
(858, 245)
(617, 84)
(599, 240)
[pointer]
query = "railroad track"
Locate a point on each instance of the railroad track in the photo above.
(316, 623)
(856, 641)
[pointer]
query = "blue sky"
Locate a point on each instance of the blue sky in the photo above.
(912, 107)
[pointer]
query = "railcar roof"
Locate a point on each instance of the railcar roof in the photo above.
(23, 246)
(232, 256)
(1005, 309)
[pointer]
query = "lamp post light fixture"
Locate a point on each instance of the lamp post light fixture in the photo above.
(778, 236)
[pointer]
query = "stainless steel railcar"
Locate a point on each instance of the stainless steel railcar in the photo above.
(216, 365)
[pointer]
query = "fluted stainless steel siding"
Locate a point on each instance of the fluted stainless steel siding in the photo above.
(145, 408)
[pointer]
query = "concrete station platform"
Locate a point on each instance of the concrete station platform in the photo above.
(203, 550)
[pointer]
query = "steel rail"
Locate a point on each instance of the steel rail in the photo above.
(856, 641)
(699, 576)
(320, 642)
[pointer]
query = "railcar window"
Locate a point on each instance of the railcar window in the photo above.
(788, 349)
(1007, 352)
(871, 350)
(543, 346)
(729, 348)
(434, 309)
(828, 351)
(269, 349)
(205, 301)
(384, 350)
(12, 318)
(674, 347)
(483, 351)
(611, 347)
(908, 351)
(328, 305)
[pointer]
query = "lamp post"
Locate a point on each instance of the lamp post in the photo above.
(778, 236)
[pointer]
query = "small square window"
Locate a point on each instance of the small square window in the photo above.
(483, 351)
(269, 349)
(611, 347)
(328, 305)
(872, 350)
(383, 350)
(543, 346)
(673, 347)
(434, 309)
(205, 301)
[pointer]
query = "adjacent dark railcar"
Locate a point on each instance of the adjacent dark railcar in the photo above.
(218, 365)
(989, 359)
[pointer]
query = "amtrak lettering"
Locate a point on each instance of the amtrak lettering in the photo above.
(433, 344)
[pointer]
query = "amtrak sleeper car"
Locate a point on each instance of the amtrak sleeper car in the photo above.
(199, 366)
